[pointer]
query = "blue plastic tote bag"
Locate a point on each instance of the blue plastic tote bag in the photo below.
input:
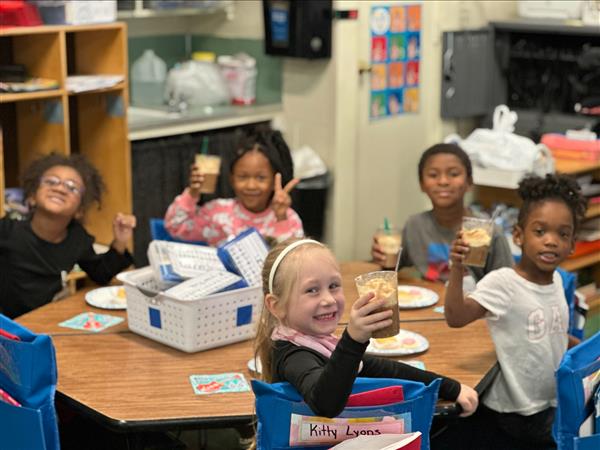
(285, 422)
(577, 378)
(28, 375)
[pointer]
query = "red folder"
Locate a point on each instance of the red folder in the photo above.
(377, 397)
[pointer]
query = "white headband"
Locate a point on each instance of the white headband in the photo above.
(282, 255)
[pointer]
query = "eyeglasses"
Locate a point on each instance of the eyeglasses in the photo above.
(70, 185)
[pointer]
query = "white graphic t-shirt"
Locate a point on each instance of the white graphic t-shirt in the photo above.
(528, 323)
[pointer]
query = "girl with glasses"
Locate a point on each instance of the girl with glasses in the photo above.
(37, 253)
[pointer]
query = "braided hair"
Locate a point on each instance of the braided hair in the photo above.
(534, 189)
(271, 144)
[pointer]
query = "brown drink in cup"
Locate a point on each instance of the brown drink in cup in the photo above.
(384, 284)
(390, 241)
(477, 233)
(209, 166)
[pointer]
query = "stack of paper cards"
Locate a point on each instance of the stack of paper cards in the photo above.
(175, 262)
(91, 322)
(208, 283)
(219, 383)
(245, 254)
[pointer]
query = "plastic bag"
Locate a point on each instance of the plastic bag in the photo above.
(500, 148)
(240, 72)
(197, 83)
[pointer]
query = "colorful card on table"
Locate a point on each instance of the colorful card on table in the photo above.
(439, 309)
(219, 383)
(91, 322)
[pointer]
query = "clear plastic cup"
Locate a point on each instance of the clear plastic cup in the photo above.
(384, 283)
(390, 242)
(209, 166)
(477, 233)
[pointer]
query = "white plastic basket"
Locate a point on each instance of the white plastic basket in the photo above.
(191, 325)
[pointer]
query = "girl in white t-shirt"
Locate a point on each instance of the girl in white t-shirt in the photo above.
(526, 310)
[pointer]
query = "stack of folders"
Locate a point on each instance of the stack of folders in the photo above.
(189, 271)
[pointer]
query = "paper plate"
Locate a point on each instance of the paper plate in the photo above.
(416, 297)
(109, 297)
(404, 343)
(254, 366)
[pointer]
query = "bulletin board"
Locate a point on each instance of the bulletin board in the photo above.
(395, 60)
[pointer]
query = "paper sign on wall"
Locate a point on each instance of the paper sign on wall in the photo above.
(395, 60)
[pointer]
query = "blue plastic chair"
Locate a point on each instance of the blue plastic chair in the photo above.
(577, 377)
(160, 233)
(28, 374)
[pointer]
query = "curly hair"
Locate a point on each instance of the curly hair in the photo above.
(451, 149)
(534, 189)
(271, 144)
(92, 180)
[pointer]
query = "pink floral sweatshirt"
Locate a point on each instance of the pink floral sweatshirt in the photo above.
(224, 218)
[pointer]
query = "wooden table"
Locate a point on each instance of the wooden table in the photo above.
(129, 382)
(46, 318)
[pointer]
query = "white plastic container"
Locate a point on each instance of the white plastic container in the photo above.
(148, 74)
(77, 12)
(240, 73)
(191, 325)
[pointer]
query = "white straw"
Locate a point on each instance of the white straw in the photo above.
(398, 260)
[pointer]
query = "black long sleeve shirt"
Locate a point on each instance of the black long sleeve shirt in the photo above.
(326, 383)
(30, 267)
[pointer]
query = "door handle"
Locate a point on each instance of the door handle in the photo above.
(364, 68)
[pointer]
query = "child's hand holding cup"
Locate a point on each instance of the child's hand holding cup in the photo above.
(389, 241)
(384, 284)
(477, 234)
(208, 167)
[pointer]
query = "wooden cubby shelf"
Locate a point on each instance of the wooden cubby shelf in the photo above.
(92, 123)
(37, 95)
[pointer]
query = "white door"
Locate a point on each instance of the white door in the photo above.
(389, 147)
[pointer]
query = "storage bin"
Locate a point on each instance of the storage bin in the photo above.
(191, 325)
(77, 12)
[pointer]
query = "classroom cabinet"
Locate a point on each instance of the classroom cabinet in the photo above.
(540, 69)
(92, 123)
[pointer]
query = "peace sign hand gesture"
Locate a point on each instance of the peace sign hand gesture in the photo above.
(281, 197)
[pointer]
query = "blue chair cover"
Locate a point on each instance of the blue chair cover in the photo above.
(28, 374)
(576, 379)
(275, 404)
(160, 233)
(569, 280)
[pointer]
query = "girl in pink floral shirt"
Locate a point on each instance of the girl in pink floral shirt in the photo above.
(261, 177)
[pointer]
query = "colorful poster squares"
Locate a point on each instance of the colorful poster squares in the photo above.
(395, 56)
